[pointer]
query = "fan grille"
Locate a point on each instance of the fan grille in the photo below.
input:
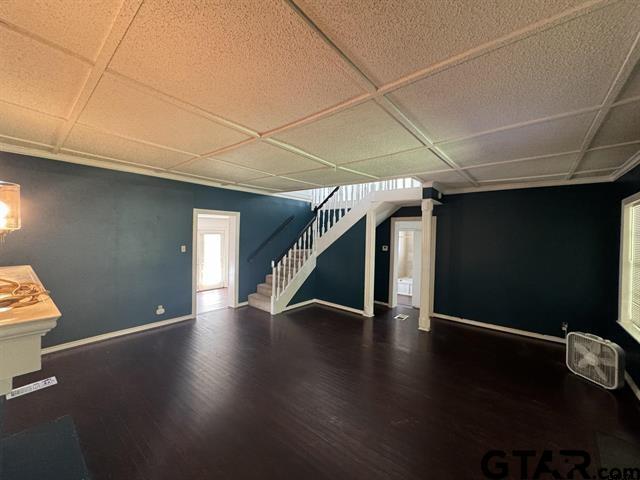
(593, 358)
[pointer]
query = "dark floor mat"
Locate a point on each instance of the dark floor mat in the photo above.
(617, 453)
(50, 451)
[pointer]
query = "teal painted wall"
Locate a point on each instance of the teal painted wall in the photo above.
(107, 244)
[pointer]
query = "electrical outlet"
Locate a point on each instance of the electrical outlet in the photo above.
(565, 328)
(385, 248)
(183, 248)
(160, 310)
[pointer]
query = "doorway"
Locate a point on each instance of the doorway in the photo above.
(405, 259)
(215, 260)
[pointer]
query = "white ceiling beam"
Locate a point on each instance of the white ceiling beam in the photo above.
(615, 88)
(119, 27)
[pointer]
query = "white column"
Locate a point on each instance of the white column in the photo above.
(369, 262)
(427, 266)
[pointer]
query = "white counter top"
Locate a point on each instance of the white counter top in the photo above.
(21, 330)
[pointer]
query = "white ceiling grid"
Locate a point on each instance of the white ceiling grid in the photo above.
(282, 95)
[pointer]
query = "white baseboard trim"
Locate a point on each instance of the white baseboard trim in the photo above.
(241, 304)
(300, 304)
(326, 304)
(500, 328)
(340, 307)
(386, 304)
(117, 333)
(632, 385)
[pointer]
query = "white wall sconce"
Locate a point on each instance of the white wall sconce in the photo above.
(9, 208)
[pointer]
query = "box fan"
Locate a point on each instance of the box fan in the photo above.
(598, 360)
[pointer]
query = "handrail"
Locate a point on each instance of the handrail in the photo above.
(269, 238)
(307, 225)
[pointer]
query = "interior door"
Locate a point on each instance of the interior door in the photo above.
(211, 265)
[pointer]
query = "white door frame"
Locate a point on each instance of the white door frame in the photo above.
(393, 263)
(234, 249)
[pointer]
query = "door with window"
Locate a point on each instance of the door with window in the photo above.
(211, 260)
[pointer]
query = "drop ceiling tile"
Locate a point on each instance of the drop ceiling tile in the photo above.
(37, 76)
(560, 164)
(360, 132)
(391, 39)
(607, 157)
(119, 107)
(79, 26)
(562, 69)
(279, 183)
(256, 63)
(26, 124)
(268, 158)
(87, 140)
(553, 137)
(597, 174)
(632, 87)
(215, 169)
(405, 163)
(622, 124)
(329, 177)
(451, 179)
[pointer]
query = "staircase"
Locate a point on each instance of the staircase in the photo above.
(334, 212)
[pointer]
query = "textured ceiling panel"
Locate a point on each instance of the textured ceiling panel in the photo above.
(256, 63)
(279, 183)
(121, 108)
(90, 141)
(529, 168)
(215, 169)
(79, 26)
(358, 133)
(632, 87)
(562, 69)
(270, 159)
(328, 176)
(405, 163)
(450, 179)
(37, 76)
(557, 136)
(608, 157)
(391, 39)
(26, 124)
(621, 125)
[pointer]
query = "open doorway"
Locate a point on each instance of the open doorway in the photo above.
(215, 259)
(405, 258)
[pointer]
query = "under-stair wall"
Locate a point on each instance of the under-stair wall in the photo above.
(339, 274)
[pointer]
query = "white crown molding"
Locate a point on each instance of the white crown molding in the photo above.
(522, 185)
(119, 166)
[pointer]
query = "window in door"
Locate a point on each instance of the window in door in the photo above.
(211, 265)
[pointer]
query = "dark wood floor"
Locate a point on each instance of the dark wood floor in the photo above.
(316, 393)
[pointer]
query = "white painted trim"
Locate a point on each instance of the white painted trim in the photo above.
(340, 307)
(381, 303)
(116, 334)
(522, 185)
(369, 263)
(300, 304)
(278, 305)
(632, 385)
(241, 304)
(393, 267)
(427, 261)
(234, 227)
(499, 328)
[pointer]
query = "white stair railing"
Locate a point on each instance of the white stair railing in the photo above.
(350, 194)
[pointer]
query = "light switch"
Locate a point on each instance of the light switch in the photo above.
(385, 248)
(183, 248)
